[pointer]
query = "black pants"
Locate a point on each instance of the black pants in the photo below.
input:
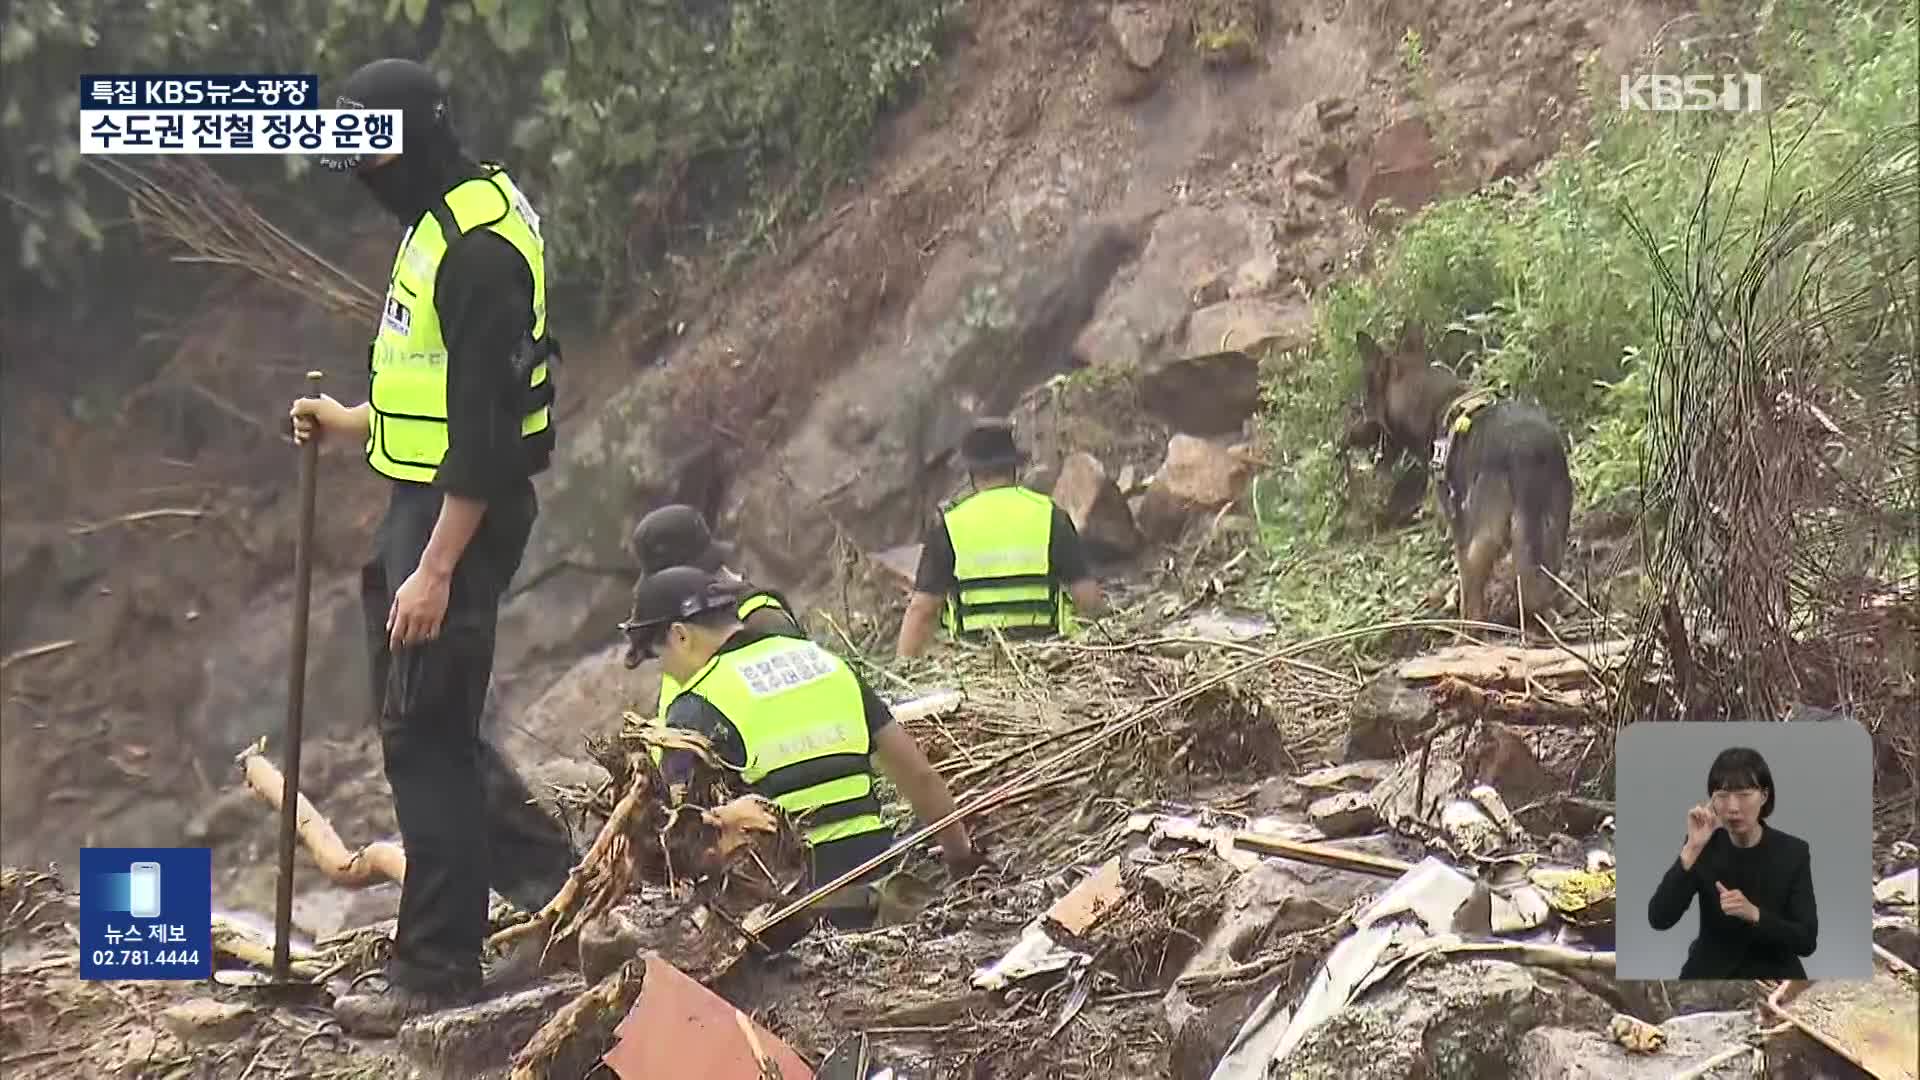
(467, 820)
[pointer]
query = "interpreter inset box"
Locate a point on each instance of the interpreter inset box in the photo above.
(1744, 850)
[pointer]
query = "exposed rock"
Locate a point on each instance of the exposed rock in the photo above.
(1141, 30)
(1898, 935)
(1458, 1019)
(1660, 1000)
(231, 813)
(1331, 112)
(1555, 1053)
(1210, 394)
(478, 1040)
(1385, 717)
(246, 678)
(587, 700)
(1501, 757)
(1346, 814)
(199, 1021)
(1199, 475)
(899, 563)
(1098, 510)
(1255, 277)
(1401, 167)
(1248, 325)
(1017, 310)
(1189, 247)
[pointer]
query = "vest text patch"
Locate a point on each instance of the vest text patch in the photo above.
(396, 317)
(785, 670)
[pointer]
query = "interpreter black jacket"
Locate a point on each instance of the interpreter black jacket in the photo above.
(1777, 875)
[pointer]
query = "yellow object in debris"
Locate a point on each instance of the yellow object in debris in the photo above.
(1575, 890)
(1636, 1035)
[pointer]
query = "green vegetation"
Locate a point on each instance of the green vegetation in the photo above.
(643, 129)
(1549, 294)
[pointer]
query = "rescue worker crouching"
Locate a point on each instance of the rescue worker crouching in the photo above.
(1004, 557)
(803, 726)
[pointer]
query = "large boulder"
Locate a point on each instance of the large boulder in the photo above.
(1096, 507)
(1197, 477)
(1006, 330)
(1460, 1020)
(1190, 251)
(1556, 1053)
(1401, 168)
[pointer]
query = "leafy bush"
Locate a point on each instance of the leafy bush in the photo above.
(1547, 294)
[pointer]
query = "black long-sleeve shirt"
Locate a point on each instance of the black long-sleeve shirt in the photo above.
(1776, 874)
(483, 293)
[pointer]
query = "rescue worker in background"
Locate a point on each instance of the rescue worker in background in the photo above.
(459, 418)
(1004, 556)
(677, 535)
(803, 726)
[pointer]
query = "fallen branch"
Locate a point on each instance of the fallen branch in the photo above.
(139, 516)
(36, 650)
(1535, 710)
(378, 861)
(558, 907)
(241, 944)
(1323, 854)
(573, 1039)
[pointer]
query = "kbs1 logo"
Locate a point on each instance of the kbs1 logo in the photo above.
(1690, 93)
(228, 114)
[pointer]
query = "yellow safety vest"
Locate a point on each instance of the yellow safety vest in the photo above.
(407, 433)
(670, 688)
(799, 712)
(1003, 574)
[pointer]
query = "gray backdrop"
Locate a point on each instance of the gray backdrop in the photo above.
(1823, 788)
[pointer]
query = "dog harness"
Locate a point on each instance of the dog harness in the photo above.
(1454, 422)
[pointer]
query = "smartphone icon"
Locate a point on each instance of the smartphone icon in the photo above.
(143, 890)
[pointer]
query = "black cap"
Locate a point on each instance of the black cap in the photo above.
(672, 595)
(395, 83)
(989, 445)
(676, 535)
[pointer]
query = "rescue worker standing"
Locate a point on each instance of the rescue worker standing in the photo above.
(1004, 557)
(804, 728)
(459, 419)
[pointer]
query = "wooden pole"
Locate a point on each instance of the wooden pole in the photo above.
(296, 699)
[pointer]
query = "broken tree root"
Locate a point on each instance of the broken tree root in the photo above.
(378, 861)
(572, 1041)
(594, 864)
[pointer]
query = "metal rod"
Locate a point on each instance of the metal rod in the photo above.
(296, 700)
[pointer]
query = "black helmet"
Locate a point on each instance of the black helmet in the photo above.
(394, 83)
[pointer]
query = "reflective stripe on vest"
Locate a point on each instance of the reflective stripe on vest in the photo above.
(407, 431)
(799, 712)
(1001, 567)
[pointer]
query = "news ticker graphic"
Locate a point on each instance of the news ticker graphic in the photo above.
(227, 114)
(199, 91)
(146, 913)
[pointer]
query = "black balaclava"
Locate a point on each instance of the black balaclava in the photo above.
(432, 162)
